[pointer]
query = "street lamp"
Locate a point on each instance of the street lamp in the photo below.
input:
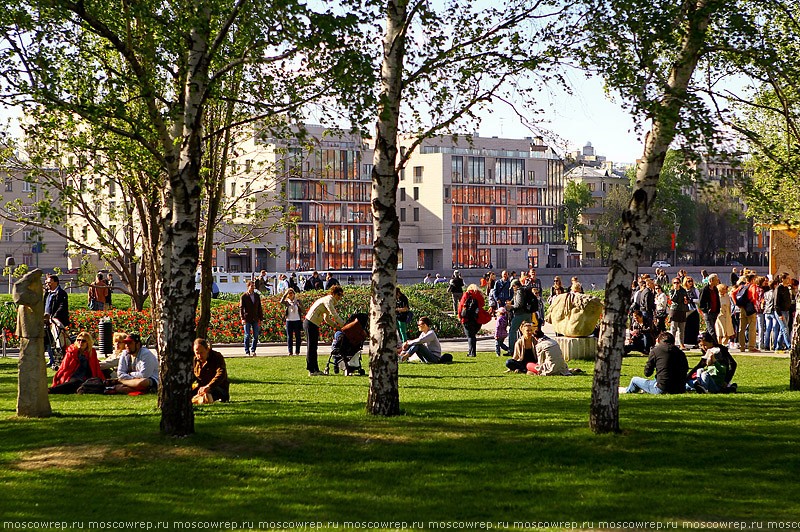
(675, 227)
(10, 262)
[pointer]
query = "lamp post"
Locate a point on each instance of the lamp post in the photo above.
(675, 227)
(9, 263)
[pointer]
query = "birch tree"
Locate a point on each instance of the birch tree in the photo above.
(650, 52)
(168, 62)
(439, 66)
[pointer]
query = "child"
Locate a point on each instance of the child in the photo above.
(501, 331)
(710, 379)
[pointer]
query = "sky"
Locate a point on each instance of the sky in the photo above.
(586, 115)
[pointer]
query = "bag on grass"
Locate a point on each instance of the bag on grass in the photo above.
(92, 385)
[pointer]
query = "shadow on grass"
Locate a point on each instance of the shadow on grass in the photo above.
(517, 451)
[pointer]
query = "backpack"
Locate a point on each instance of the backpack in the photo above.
(531, 302)
(92, 385)
(744, 302)
(470, 310)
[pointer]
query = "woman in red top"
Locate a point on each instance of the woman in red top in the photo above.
(80, 363)
(472, 316)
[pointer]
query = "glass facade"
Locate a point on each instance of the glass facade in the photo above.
(331, 202)
(485, 216)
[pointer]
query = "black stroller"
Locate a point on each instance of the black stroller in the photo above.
(56, 336)
(347, 345)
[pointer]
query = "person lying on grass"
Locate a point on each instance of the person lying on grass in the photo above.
(425, 347)
(138, 368)
(210, 375)
(714, 372)
(670, 365)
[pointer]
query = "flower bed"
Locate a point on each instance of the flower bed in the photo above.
(225, 325)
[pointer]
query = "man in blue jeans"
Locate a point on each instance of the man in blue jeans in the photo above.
(670, 365)
(252, 315)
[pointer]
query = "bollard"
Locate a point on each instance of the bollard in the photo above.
(105, 337)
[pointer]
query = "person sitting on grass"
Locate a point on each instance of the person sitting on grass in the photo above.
(138, 368)
(425, 347)
(524, 350)
(641, 335)
(670, 365)
(210, 375)
(720, 377)
(80, 363)
(109, 365)
(549, 355)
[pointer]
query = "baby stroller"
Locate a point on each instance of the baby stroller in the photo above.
(347, 345)
(56, 335)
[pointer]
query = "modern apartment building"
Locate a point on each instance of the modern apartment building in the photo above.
(481, 203)
(487, 202)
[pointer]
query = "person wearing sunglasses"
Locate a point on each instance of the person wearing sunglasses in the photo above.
(80, 362)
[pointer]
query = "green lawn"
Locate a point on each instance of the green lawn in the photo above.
(473, 444)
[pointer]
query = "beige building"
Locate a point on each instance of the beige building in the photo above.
(25, 243)
(481, 203)
(600, 182)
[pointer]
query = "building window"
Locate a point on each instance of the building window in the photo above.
(591, 186)
(8, 236)
(27, 236)
(531, 176)
(402, 194)
(9, 184)
(416, 193)
(367, 169)
(112, 188)
(112, 210)
(447, 193)
(85, 232)
(248, 165)
(233, 189)
(510, 171)
(416, 214)
(403, 214)
(402, 174)
(27, 259)
(456, 169)
(476, 170)
(418, 174)
(27, 186)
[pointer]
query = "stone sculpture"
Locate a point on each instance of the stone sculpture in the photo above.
(574, 315)
(32, 398)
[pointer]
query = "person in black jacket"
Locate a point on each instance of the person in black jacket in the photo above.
(313, 283)
(56, 306)
(709, 303)
(456, 289)
(252, 315)
(670, 365)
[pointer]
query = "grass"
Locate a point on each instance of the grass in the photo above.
(473, 444)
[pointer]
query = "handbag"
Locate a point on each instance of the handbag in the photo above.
(677, 315)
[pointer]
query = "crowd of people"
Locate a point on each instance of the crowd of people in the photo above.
(753, 314)
(666, 316)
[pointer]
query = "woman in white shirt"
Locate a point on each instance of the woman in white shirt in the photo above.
(426, 347)
(294, 311)
(321, 311)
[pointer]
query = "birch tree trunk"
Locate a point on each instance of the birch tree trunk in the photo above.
(179, 250)
(384, 397)
(604, 413)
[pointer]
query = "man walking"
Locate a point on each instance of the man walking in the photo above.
(252, 315)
